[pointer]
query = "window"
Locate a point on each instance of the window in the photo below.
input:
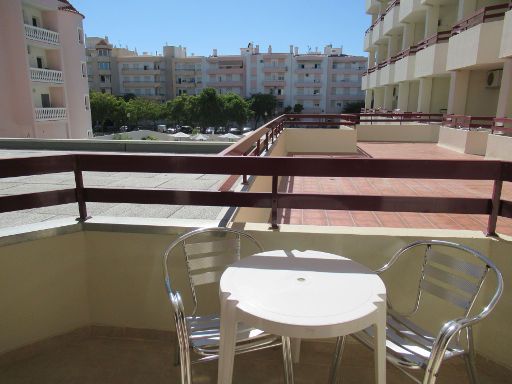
(34, 22)
(104, 65)
(80, 36)
(84, 69)
(105, 78)
(301, 66)
(86, 102)
(316, 91)
(103, 52)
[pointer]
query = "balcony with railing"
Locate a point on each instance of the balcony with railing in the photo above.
(41, 35)
(308, 84)
(506, 42)
(391, 18)
(274, 68)
(405, 64)
(378, 30)
(409, 10)
(476, 40)
(432, 54)
(274, 83)
(84, 300)
(50, 114)
(41, 75)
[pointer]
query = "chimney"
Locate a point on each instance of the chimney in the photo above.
(257, 49)
(296, 51)
(316, 49)
(269, 49)
(214, 52)
(291, 49)
(184, 51)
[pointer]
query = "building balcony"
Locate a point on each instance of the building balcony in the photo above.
(308, 70)
(506, 41)
(368, 40)
(365, 82)
(308, 84)
(371, 6)
(476, 40)
(410, 10)
(431, 55)
(387, 73)
(275, 68)
(374, 77)
(391, 18)
(221, 84)
(225, 71)
(341, 97)
(308, 97)
(50, 114)
(274, 83)
(187, 84)
(142, 84)
(41, 75)
(405, 65)
(378, 30)
(140, 71)
(41, 35)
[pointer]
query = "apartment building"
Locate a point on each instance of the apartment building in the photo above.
(43, 72)
(320, 81)
(440, 56)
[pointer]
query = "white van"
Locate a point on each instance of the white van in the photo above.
(161, 128)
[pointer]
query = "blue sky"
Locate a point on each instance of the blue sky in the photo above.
(201, 25)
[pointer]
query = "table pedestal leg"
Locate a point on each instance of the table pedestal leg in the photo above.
(335, 373)
(295, 350)
(380, 344)
(228, 325)
(287, 360)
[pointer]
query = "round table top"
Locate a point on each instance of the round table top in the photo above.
(303, 289)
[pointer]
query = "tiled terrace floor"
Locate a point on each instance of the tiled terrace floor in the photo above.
(396, 187)
(128, 361)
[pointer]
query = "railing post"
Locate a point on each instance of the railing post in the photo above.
(495, 207)
(79, 190)
(244, 177)
(258, 151)
(274, 203)
(266, 141)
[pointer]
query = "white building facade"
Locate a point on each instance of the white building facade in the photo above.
(43, 73)
(440, 56)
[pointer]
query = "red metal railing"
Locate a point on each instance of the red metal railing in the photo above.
(382, 15)
(407, 117)
(406, 52)
(439, 37)
(502, 124)
(490, 13)
(464, 121)
(394, 3)
(275, 167)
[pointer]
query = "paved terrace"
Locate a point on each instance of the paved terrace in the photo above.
(397, 187)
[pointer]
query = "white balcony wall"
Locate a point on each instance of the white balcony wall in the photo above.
(368, 40)
(405, 68)
(391, 20)
(377, 33)
(481, 100)
(387, 75)
(48, 114)
(364, 82)
(506, 40)
(408, 9)
(475, 46)
(374, 79)
(431, 61)
(46, 76)
(41, 35)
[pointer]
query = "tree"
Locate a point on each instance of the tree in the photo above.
(106, 107)
(129, 96)
(288, 109)
(141, 109)
(353, 106)
(262, 105)
(236, 109)
(298, 108)
(182, 110)
(210, 108)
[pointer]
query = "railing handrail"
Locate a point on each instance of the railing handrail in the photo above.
(483, 15)
(497, 171)
(499, 124)
(467, 121)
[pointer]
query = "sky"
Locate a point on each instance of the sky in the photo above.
(228, 25)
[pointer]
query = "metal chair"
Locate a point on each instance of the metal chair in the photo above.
(207, 252)
(454, 277)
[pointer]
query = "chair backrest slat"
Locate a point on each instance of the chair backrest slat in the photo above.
(442, 293)
(215, 261)
(206, 277)
(477, 271)
(451, 280)
(192, 249)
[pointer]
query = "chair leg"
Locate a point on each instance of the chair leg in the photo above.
(177, 354)
(287, 361)
(335, 371)
(186, 371)
(469, 359)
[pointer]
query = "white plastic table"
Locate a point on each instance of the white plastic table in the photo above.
(301, 295)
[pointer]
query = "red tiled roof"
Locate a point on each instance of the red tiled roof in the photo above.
(68, 7)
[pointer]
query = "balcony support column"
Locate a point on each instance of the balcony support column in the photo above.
(431, 21)
(425, 95)
(371, 58)
(403, 96)
(388, 97)
(505, 98)
(378, 99)
(368, 99)
(466, 8)
(457, 97)
(393, 45)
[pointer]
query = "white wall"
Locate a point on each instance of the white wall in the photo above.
(481, 101)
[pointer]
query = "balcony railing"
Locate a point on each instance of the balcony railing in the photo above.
(47, 114)
(41, 34)
(484, 15)
(468, 122)
(46, 75)
(502, 124)
(440, 37)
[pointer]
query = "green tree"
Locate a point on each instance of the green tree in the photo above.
(353, 106)
(288, 109)
(106, 107)
(262, 105)
(236, 109)
(210, 108)
(298, 108)
(140, 110)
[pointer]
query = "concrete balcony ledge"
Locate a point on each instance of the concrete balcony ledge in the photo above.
(365, 82)
(464, 141)
(368, 40)
(50, 114)
(374, 79)
(405, 68)
(506, 41)
(387, 74)
(377, 32)
(41, 35)
(409, 9)
(46, 76)
(499, 147)
(478, 45)
(391, 20)
(431, 61)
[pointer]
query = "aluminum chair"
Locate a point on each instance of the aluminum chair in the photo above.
(207, 252)
(456, 278)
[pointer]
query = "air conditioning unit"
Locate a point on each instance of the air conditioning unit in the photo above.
(494, 78)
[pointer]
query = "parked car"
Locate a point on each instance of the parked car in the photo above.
(210, 130)
(235, 131)
(246, 129)
(220, 130)
(124, 128)
(172, 130)
(186, 129)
